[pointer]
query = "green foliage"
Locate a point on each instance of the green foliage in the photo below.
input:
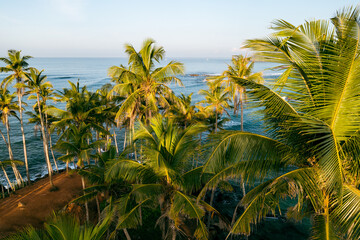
(77, 145)
(315, 127)
(64, 227)
(164, 178)
(14, 63)
(142, 83)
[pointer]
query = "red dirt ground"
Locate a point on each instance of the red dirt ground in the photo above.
(39, 203)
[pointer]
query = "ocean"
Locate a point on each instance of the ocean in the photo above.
(92, 72)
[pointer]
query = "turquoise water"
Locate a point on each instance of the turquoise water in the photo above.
(92, 72)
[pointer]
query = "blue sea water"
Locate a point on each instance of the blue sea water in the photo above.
(92, 72)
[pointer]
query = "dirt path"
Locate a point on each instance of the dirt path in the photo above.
(38, 202)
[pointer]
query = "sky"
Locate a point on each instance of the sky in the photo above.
(185, 28)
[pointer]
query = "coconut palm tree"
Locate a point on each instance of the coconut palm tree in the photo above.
(182, 111)
(106, 108)
(35, 82)
(143, 83)
(8, 108)
(165, 179)
(46, 95)
(18, 65)
(217, 99)
(81, 107)
(312, 144)
(95, 176)
(206, 115)
(240, 67)
(74, 143)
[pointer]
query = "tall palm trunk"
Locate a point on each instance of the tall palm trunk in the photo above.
(50, 142)
(124, 139)
(97, 137)
(242, 110)
(116, 145)
(45, 143)
(20, 93)
(11, 156)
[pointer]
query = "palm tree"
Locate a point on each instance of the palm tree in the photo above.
(8, 108)
(95, 176)
(312, 154)
(47, 94)
(80, 107)
(206, 115)
(182, 111)
(106, 109)
(18, 65)
(35, 82)
(74, 143)
(240, 67)
(165, 178)
(34, 118)
(217, 99)
(142, 83)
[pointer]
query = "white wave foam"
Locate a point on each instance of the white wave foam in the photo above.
(272, 74)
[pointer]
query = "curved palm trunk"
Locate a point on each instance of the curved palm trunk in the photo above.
(7, 179)
(52, 153)
(5, 173)
(11, 156)
(45, 143)
(19, 92)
